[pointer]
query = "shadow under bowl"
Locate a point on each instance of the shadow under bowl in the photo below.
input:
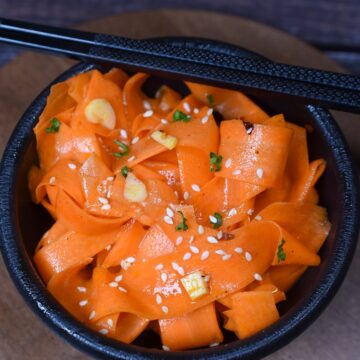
(22, 224)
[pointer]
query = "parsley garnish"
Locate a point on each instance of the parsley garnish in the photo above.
(219, 220)
(182, 225)
(281, 256)
(215, 162)
(180, 116)
(125, 171)
(123, 147)
(54, 126)
(210, 99)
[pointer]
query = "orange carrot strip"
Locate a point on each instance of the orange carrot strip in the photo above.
(230, 104)
(258, 158)
(188, 331)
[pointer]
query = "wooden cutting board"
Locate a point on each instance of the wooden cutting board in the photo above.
(334, 336)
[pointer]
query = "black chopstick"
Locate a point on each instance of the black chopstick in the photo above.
(255, 76)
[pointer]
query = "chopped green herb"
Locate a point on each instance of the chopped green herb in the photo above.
(210, 99)
(180, 116)
(125, 171)
(182, 225)
(54, 126)
(219, 220)
(281, 256)
(123, 147)
(215, 162)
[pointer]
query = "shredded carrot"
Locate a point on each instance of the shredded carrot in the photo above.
(165, 220)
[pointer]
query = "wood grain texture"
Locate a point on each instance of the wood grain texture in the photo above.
(327, 23)
(334, 336)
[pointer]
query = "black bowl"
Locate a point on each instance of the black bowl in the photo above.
(22, 224)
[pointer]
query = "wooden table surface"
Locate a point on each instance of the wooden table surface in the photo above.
(332, 25)
(334, 336)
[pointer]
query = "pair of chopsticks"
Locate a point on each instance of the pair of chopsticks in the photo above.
(174, 59)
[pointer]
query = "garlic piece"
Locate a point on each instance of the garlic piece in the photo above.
(168, 141)
(135, 190)
(100, 111)
(195, 284)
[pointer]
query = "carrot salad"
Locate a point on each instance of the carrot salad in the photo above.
(166, 219)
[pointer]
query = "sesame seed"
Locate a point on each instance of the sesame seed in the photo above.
(104, 331)
(158, 299)
(214, 344)
(92, 315)
(238, 250)
(165, 348)
(187, 256)
(220, 252)
(81, 289)
(205, 119)
(181, 271)
(159, 267)
(123, 133)
(147, 105)
(192, 238)
(228, 163)
(232, 212)
(130, 259)
(194, 249)
(186, 106)
(196, 111)
(201, 229)
(179, 240)
(258, 217)
(248, 256)
(124, 264)
(226, 257)
(164, 121)
(209, 112)
(168, 220)
(103, 200)
(122, 289)
(207, 278)
(213, 219)
(186, 195)
(257, 277)
(220, 235)
(52, 180)
(259, 173)
(131, 158)
(113, 284)
(204, 255)
(106, 207)
(72, 166)
(83, 303)
(176, 194)
(174, 265)
(195, 187)
(118, 278)
(108, 248)
(110, 178)
(108, 194)
(46, 235)
(250, 212)
(110, 322)
(163, 277)
(212, 240)
(148, 113)
(236, 172)
(169, 212)
(135, 140)
(165, 309)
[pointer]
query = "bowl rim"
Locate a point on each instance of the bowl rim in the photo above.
(30, 286)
